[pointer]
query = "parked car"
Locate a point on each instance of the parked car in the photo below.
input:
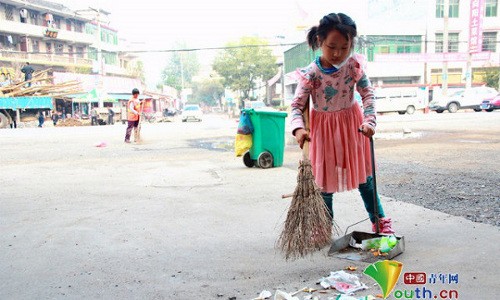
(463, 99)
(401, 100)
(191, 111)
(491, 104)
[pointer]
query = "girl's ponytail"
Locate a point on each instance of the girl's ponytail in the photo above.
(312, 38)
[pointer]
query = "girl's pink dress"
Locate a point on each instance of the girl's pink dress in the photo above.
(340, 155)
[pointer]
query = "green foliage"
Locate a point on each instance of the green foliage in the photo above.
(181, 67)
(243, 67)
(492, 78)
(136, 69)
(208, 91)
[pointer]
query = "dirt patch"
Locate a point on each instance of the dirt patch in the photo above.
(452, 172)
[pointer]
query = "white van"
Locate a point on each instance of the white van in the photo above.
(401, 100)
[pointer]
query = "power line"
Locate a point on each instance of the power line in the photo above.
(159, 50)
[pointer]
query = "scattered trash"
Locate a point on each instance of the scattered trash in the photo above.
(101, 144)
(280, 295)
(351, 268)
(345, 297)
(343, 282)
(264, 295)
(384, 244)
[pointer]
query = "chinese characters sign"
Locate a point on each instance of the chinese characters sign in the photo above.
(476, 25)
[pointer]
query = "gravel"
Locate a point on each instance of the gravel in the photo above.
(454, 173)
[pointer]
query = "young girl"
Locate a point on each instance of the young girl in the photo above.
(339, 153)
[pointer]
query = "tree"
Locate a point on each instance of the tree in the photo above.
(136, 69)
(492, 78)
(243, 67)
(209, 91)
(180, 69)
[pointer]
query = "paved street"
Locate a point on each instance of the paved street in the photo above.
(179, 217)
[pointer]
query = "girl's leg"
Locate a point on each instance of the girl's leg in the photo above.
(366, 191)
(328, 198)
(384, 224)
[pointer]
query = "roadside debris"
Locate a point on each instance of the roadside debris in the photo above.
(343, 282)
(264, 295)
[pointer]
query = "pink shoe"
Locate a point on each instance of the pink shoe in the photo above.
(385, 226)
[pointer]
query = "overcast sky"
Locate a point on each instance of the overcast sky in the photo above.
(154, 24)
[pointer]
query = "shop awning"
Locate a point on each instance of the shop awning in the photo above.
(26, 102)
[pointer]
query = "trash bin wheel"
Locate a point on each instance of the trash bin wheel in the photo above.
(265, 160)
(247, 160)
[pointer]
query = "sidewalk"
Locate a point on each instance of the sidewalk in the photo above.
(163, 220)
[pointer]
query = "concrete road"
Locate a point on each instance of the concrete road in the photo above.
(179, 217)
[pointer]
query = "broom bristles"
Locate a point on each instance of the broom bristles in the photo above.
(308, 226)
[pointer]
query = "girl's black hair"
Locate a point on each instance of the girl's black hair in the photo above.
(340, 22)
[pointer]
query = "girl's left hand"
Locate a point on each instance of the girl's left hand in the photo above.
(367, 130)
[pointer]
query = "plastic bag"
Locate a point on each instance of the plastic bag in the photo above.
(245, 125)
(242, 143)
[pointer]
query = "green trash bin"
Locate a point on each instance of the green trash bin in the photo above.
(268, 139)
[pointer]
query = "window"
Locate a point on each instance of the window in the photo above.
(452, 9)
(78, 26)
(68, 25)
(70, 51)
(34, 18)
(48, 47)
(380, 44)
(384, 49)
(57, 23)
(36, 46)
(491, 8)
(489, 41)
(452, 42)
(79, 51)
(9, 12)
(59, 48)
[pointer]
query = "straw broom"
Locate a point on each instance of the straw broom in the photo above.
(308, 226)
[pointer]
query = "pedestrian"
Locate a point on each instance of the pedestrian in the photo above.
(13, 119)
(111, 116)
(41, 118)
(28, 72)
(133, 113)
(340, 155)
(55, 117)
(93, 117)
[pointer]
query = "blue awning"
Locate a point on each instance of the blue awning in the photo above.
(26, 102)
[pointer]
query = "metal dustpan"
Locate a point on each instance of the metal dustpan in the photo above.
(348, 246)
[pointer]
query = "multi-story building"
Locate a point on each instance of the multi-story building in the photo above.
(74, 45)
(403, 42)
(50, 35)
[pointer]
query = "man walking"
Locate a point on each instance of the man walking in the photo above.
(133, 114)
(28, 72)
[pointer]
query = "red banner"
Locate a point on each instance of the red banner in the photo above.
(476, 25)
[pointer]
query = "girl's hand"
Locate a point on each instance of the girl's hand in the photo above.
(301, 136)
(367, 130)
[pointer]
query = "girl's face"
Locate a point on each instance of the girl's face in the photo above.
(336, 48)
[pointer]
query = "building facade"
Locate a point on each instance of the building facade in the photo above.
(50, 35)
(403, 42)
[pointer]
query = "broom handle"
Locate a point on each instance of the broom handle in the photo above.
(305, 115)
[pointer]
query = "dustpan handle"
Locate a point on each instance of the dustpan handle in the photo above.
(375, 202)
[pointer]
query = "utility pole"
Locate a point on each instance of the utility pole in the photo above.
(444, 75)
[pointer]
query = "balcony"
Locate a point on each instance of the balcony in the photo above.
(12, 27)
(48, 59)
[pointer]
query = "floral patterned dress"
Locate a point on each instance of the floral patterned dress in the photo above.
(340, 155)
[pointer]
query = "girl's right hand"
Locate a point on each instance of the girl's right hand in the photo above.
(301, 136)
